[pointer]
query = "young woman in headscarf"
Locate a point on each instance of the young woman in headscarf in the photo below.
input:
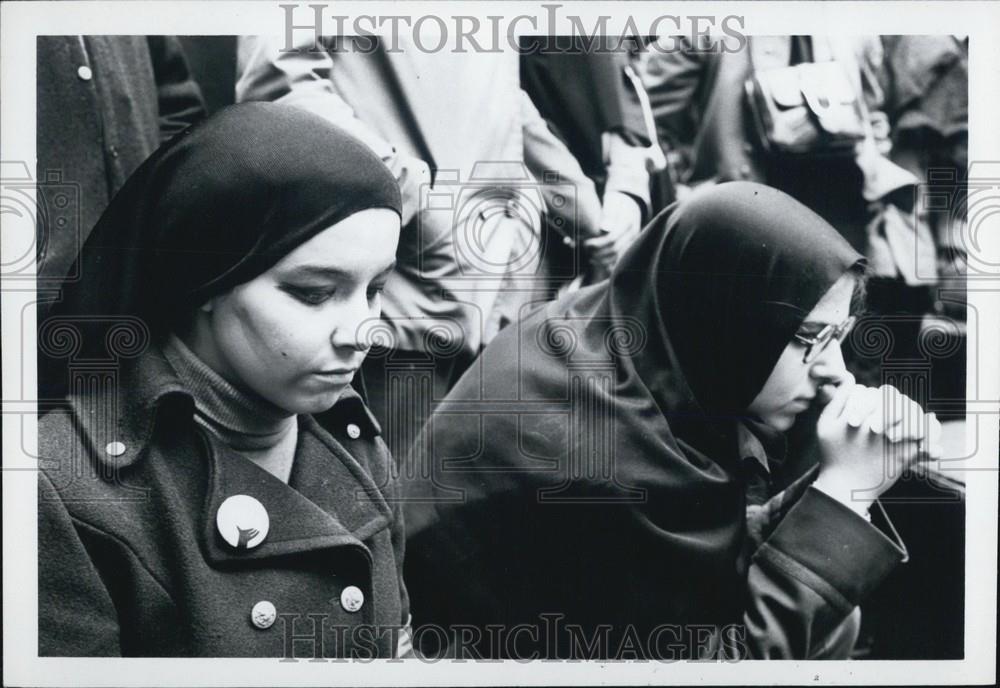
(212, 485)
(609, 480)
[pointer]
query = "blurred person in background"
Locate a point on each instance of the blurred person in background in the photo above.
(590, 97)
(105, 103)
(927, 101)
(477, 167)
(721, 105)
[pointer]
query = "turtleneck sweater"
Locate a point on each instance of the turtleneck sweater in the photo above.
(249, 426)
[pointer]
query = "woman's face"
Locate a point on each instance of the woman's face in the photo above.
(294, 336)
(793, 384)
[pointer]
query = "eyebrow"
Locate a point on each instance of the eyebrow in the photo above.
(329, 271)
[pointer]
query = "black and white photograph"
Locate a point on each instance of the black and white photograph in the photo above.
(478, 343)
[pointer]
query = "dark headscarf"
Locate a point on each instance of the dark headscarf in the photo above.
(722, 287)
(587, 464)
(215, 207)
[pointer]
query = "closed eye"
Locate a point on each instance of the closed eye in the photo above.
(310, 296)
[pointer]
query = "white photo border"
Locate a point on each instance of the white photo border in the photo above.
(22, 22)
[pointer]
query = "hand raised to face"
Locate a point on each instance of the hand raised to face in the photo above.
(867, 438)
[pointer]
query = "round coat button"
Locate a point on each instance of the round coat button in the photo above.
(115, 448)
(353, 431)
(85, 73)
(352, 598)
(242, 521)
(263, 614)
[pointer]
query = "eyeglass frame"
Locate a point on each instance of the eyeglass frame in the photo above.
(815, 346)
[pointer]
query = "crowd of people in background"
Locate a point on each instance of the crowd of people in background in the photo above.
(552, 159)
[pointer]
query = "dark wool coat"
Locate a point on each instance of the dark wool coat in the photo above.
(584, 489)
(130, 559)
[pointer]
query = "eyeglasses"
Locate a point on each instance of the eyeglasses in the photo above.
(816, 344)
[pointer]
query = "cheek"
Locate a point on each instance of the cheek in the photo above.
(266, 336)
(783, 383)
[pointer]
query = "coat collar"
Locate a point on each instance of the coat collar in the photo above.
(122, 407)
(116, 410)
(330, 500)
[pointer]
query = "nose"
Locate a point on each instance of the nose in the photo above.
(829, 366)
(349, 332)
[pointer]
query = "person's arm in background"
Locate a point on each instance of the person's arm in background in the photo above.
(584, 97)
(626, 144)
(301, 77)
(544, 154)
(626, 202)
(178, 94)
(672, 76)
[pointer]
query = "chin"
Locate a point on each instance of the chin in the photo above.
(315, 403)
(781, 423)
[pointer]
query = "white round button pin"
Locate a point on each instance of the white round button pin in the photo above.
(242, 521)
(351, 599)
(115, 448)
(84, 72)
(263, 614)
(353, 431)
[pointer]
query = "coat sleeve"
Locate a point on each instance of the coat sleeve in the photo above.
(302, 77)
(76, 616)
(673, 78)
(545, 153)
(178, 94)
(807, 578)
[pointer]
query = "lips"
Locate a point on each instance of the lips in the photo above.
(340, 375)
(802, 402)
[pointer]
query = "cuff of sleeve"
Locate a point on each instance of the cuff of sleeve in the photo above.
(626, 168)
(833, 543)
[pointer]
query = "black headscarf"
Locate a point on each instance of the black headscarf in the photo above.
(214, 207)
(597, 474)
(722, 287)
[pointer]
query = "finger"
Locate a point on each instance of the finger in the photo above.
(910, 425)
(838, 402)
(934, 429)
(876, 419)
(606, 250)
(859, 406)
(895, 404)
(907, 454)
(919, 421)
(916, 421)
(831, 385)
(932, 445)
(624, 241)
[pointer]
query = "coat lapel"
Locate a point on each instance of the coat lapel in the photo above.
(329, 501)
